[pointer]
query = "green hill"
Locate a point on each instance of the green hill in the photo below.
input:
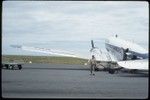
(43, 59)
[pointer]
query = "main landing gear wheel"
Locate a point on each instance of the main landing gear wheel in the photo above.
(111, 71)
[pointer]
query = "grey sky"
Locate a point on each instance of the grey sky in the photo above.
(28, 22)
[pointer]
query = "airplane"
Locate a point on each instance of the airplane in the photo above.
(128, 56)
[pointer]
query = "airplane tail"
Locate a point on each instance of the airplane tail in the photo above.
(99, 53)
(92, 43)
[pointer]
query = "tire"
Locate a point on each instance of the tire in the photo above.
(19, 67)
(96, 69)
(12, 67)
(7, 66)
(111, 71)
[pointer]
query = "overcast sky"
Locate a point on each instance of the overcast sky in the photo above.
(49, 23)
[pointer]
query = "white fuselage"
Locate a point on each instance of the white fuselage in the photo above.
(116, 47)
(124, 51)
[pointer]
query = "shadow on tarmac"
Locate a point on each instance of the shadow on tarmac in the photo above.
(58, 68)
(133, 75)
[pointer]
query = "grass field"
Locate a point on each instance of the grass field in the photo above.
(43, 59)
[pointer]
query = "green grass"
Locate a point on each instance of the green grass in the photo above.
(43, 59)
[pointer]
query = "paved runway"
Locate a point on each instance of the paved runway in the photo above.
(70, 81)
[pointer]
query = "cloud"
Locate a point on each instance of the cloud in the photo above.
(45, 21)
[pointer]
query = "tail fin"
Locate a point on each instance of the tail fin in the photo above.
(92, 43)
(99, 53)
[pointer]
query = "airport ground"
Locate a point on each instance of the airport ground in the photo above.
(70, 81)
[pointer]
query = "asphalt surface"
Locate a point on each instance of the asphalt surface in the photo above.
(70, 81)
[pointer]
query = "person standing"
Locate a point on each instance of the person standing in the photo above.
(92, 64)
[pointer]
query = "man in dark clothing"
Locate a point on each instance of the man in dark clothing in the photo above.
(92, 64)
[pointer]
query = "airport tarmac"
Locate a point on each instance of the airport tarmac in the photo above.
(70, 81)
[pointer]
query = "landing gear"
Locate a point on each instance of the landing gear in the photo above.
(111, 71)
(134, 57)
(133, 71)
(96, 69)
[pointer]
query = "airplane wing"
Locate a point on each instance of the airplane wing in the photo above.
(134, 64)
(47, 51)
(99, 54)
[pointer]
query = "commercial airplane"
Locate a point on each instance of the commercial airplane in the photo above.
(128, 55)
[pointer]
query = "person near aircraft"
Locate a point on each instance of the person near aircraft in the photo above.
(92, 64)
